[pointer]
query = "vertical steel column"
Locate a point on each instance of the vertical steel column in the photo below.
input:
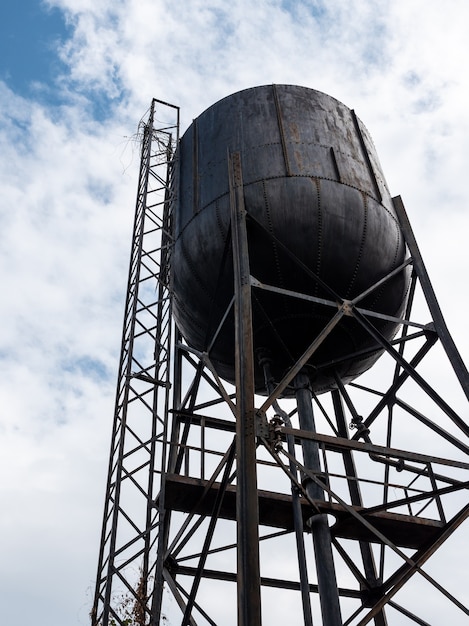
(247, 515)
(327, 582)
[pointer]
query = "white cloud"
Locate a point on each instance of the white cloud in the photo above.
(68, 189)
(64, 247)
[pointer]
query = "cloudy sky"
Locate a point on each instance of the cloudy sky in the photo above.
(76, 76)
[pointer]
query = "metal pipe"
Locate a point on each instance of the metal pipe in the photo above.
(327, 582)
(296, 504)
(356, 499)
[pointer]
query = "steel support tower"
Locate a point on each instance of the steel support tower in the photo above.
(224, 507)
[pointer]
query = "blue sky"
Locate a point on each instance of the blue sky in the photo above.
(30, 34)
(76, 76)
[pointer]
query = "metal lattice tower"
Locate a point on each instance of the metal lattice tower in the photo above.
(127, 560)
(215, 492)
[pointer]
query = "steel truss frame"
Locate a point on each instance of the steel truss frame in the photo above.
(127, 559)
(231, 484)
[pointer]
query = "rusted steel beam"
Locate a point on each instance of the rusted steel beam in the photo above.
(438, 319)
(338, 444)
(412, 566)
(249, 599)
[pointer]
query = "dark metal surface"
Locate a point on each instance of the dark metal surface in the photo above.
(323, 224)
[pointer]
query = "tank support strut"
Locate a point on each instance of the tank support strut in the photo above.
(247, 515)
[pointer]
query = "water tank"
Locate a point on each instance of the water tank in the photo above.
(318, 208)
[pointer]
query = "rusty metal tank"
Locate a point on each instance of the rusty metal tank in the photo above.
(318, 206)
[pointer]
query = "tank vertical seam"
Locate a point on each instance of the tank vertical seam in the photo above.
(380, 291)
(362, 245)
(320, 233)
(195, 168)
(271, 230)
(219, 220)
(281, 131)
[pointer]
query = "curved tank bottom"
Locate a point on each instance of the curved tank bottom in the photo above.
(318, 208)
